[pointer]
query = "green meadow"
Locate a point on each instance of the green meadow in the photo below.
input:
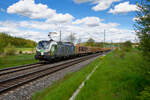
(16, 60)
(118, 77)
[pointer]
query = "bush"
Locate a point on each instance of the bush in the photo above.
(120, 53)
(1, 51)
(145, 94)
(20, 52)
(142, 27)
(0, 59)
(126, 46)
(10, 50)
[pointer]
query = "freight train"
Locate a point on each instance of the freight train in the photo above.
(52, 50)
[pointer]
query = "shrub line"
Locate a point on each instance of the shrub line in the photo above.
(82, 84)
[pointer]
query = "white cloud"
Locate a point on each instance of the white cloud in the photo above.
(135, 19)
(29, 9)
(89, 21)
(61, 18)
(83, 1)
(123, 8)
(139, 18)
(103, 4)
(28, 34)
(36, 25)
(100, 4)
(9, 24)
(38, 30)
(83, 28)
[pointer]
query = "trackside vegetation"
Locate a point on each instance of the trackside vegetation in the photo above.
(12, 61)
(6, 39)
(121, 75)
(63, 89)
(8, 44)
(142, 28)
(15, 51)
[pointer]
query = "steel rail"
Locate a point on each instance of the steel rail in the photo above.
(20, 69)
(7, 84)
(4, 69)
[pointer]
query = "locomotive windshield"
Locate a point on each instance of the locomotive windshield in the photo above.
(43, 45)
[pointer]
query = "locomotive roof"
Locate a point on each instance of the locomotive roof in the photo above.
(44, 41)
(66, 43)
(60, 43)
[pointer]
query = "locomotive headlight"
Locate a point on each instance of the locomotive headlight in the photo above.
(42, 53)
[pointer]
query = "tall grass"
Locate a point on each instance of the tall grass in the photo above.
(10, 50)
(117, 78)
(63, 89)
(16, 60)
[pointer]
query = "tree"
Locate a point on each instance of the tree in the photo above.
(143, 31)
(5, 39)
(142, 27)
(71, 38)
(99, 44)
(126, 46)
(90, 42)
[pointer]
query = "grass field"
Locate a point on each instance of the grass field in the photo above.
(118, 77)
(15, 60)
(25, 49)
(64, 88)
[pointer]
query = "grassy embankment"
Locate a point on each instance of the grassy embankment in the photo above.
(64, 88)
(16, 60)
(13, 51)
(120, 76)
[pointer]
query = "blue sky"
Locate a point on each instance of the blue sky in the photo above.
(33, 19)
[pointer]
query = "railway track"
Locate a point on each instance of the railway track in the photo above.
(18, 68)
(15, 77)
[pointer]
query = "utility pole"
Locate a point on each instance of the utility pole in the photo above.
(104, 38)
(49, 35)
(111, 44)
(60, 35)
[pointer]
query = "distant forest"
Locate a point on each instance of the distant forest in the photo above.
(91, 42)
(17, 42)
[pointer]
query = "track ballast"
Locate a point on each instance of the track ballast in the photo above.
(15, 77)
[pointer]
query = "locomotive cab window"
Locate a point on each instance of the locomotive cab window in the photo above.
(43, 45)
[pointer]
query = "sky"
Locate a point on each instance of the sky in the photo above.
(34, 19)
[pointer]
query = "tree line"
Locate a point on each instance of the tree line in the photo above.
(17, 42)
(142, 28)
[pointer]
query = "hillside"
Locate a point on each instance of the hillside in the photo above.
(17, 42)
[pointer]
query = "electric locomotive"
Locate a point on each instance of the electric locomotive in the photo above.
(51, 50)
